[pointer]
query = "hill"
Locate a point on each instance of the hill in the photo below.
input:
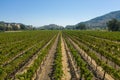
(51, 27)
(100, 22)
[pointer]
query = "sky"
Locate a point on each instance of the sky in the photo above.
(60, 12)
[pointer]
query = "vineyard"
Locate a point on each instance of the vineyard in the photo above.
(60, 55)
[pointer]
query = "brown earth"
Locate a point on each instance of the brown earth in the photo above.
(100, 70)
(46, 68)
(66, 69)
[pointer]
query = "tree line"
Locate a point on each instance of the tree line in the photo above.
(113, 25)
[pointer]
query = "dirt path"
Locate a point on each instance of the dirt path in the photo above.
(66, 69)
(31, 61)
(73, 67)
(45, 69)
(93, 65)
(91, 70)
(109, 62)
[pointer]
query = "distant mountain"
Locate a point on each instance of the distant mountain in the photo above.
(70, 27)
(51, 27)
(100, 22)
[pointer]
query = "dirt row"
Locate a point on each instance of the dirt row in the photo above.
(45, 69)
(100, 71)
(29, 62)
(20, 53)
(73, 67)
(70, 71)
(69, 68)
(77, 70)
(109, 62)
(66, 68)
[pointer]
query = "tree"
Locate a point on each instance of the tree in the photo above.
(81, 26)
(14, 27)
(113, 25)
(8, 28)
(70, 27)
(23, 27)
(2, 28)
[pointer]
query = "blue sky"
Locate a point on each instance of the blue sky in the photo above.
(61, 12)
